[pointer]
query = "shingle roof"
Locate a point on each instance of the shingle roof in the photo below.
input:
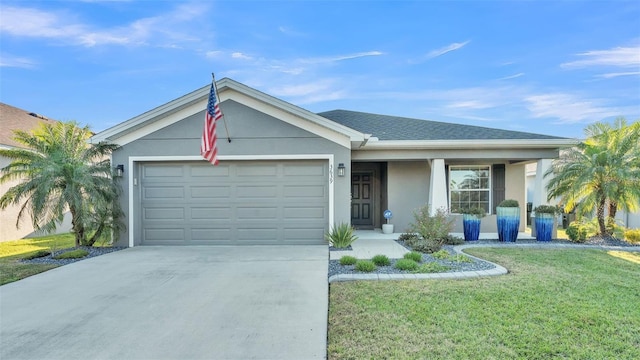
(12, 118)
(386, 127)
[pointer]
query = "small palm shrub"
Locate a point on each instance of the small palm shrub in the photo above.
(414, 255)
(381, 260)
(37, 254)
(406, 264)
(431, 267)
(73, 254)
(348, 260)
(341, 236)
(577, 232)
(365, 265)
(632, 236)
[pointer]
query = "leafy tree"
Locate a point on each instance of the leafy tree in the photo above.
(60, 171)
(601, 173)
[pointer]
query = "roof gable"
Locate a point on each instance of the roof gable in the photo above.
(385, 127)
(196, 101)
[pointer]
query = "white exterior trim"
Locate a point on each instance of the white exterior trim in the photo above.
(137, 159)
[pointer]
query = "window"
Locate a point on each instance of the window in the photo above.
(469, 186)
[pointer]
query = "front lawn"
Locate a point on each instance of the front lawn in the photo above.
(11, 252)
(577, 304)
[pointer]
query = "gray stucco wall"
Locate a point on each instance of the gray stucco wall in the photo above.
(407, 189)
(252, 133)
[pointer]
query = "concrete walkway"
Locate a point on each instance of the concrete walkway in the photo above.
(374, 242)
(198, 302)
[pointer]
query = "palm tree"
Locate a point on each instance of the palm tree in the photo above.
(602, 173)
(60, 171)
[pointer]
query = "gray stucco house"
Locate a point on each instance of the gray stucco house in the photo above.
(289, 174)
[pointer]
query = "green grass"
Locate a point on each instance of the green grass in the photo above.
(12, 251)
(569, 304)
(72, 254)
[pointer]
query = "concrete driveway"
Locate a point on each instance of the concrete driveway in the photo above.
(255, 302)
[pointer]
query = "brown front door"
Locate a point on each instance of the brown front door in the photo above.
(362, 200)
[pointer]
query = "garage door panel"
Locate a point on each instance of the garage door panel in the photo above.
(237, 202)
(163, 171)
(164, 234)
(219, 235)
(257, 191)
(210, 192)
(163, 192)
(210, 214)
(304, 191)
(209, 171)
(163, 213)
(304, 213)
(256, 170)
(304, 170)
(258, 235)
(256, 213)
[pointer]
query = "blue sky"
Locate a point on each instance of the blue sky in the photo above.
(548, 67)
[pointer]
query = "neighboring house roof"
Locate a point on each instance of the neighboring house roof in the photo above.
(13, 118)
(385, 127)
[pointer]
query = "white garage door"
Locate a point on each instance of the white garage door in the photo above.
(234, 203)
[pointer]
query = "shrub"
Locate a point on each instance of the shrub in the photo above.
(453, 240)
(632, 236)
(381, 260)
(441, 254)
(73, 254)
(546, 209)
(407, 237)
(426, 246)
(577, 232)
(414, 255)
(406, 264)
(509, 203)
(348, 260)
(365, 265)
(341, 236)
(431, 267)
(37, 254)
(431, 227)
(461, 258)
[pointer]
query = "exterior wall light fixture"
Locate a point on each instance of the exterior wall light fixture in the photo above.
(341, 170)
(119, 170)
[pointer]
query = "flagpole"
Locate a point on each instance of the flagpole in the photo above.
(213, 77)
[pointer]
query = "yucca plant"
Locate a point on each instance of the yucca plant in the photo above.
(341, 236)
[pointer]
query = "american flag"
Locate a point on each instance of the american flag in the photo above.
(208, 147)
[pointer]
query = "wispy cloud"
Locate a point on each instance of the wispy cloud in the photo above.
(570, 109)
(16, 62)
(166, 30)
(617, 57)
(290, 32)
(311, 92)
(613, 75)
(446, 49)
(336, 58)
(512, 76)
(239, 55)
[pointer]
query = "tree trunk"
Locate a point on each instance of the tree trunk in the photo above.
(600, 216)
(76, 225)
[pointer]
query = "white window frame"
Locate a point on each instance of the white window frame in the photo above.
(490, 185)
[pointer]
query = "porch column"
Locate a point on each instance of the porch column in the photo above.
(540, 189)
(437, 186)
